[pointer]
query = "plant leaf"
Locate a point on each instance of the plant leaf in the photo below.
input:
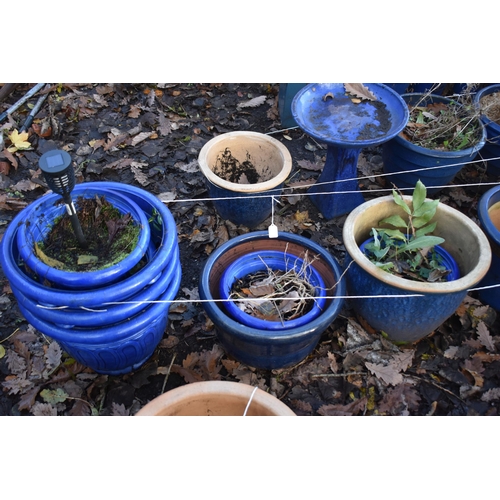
(427, 206)
(399, 201)
(359, 90)
(252, 103)
(394, 220)
(419, 194)
(426, 230)
(422, 242)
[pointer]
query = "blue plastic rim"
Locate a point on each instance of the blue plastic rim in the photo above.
(38, 219)
(338, 121)
(447, 260)
(276, 261)
(406, 162)
(263, 348)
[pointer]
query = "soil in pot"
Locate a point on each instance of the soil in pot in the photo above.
(490, 106)
(110, 235)
(231, 169)
(443, 126)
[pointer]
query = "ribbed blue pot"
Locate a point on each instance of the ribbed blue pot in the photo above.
(490, 296)
(491, 150)
(112, 329)
(263, 348)
(38, 220)
(406, 163)
(274, 261)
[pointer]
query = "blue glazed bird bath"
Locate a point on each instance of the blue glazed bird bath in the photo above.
(325, 112)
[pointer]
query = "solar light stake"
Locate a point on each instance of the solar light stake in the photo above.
(60, 177)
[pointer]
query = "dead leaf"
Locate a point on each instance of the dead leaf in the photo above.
(359, 90)
(53, 355)
(165, 125)
(253, 103)
(134, 112)
(491, 395)
(309, 165)
(485, 337)
(139, 175)
(351, 409)
(140, 137)
(389, 374)
(46, 259)
(43, 410)
(119, 410)
(4, 168)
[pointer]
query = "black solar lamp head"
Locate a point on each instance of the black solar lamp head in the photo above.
(60, 177)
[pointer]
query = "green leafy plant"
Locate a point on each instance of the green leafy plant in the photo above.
(409, 250)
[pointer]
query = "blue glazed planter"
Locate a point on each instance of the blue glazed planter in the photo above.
(263, 348)
(490, 296)
(127, 318)
(241, 200)
(40, 216)
(277, 261)
(406, 163)
(491, 150)
(406, 310)
(346, 127)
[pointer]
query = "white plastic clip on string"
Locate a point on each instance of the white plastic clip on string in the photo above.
(273, 228)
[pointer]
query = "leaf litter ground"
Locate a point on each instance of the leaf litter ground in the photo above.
(150, 136)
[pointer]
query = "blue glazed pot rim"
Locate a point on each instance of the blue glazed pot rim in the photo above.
(495, 127)
(45, 210)
(259, 261)
(248, 334)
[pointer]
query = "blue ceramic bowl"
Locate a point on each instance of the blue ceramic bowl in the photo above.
(406, 163)
(263, 348)
(276, 261)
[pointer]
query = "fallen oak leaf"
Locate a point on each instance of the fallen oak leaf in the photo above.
(388, 373)
(252, 103)
(359, 90)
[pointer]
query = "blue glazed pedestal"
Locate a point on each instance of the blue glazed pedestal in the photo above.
(324, 111)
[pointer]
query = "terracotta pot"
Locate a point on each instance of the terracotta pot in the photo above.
(215, 398)
(419, 307)
(244, 202)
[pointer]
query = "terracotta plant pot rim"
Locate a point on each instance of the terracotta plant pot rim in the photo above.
(246, 188)
(353, 238)
(192, 399)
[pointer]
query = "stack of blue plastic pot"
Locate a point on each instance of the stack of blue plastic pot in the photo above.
(109, 320)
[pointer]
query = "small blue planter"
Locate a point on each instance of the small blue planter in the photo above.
(276, 261)
(112, 329)
(491, 150)
(242, 201)
(406, 163)
(264, 348)
(40, 216)
(490, 296)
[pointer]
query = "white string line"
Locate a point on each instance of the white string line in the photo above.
(249, 401)
(193, 301)
(269, 193)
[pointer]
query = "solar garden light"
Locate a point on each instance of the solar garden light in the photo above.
(60, 177)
